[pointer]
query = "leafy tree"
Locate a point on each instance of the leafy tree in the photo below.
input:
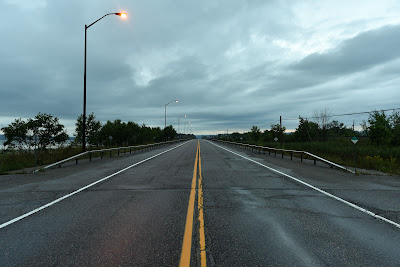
(307, 131)
(336, 129)
(379, 128)
(16, 134)
(133, 130)
(105, 132)
(158, 134)
(255, 133)
(145, 134)
(119, 132)
(92, 130)
(49, 131)
(268, 136)
(131, 133)
(235, 136)
(395, 125)
(277, 131)
(170, 132)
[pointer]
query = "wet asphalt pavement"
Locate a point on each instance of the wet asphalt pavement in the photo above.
(252, 216)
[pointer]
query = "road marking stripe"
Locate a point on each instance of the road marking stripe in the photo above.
(81, 189)
(187, 238)
(203, 259)
(317, 189)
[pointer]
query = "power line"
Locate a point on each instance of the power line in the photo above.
(329, 116)
(347, 114)
(271, 123)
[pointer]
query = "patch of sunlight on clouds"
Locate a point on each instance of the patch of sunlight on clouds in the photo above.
(303, 48)
(144, 76)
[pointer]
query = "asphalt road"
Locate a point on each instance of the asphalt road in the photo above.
(203, 204)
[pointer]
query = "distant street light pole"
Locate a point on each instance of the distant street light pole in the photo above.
(165, 128)
(179, 124)
(184, 126)
(123, 15)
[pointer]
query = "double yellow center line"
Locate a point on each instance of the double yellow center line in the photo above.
(187, 238)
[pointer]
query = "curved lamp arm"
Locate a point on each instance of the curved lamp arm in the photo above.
(118, 14)
(176, 101)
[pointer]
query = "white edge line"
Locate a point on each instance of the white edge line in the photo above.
(294, 151)
(317, 189)
(81, 189)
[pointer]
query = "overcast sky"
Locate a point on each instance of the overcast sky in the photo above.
(230, 63)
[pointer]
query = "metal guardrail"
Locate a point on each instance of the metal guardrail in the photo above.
(282, 151)
(102, 152)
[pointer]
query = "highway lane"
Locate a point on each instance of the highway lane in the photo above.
(256, 217)
(239, 214)
(136, 218)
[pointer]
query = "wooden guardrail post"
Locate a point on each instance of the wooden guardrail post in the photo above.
(301, 156)
(90, 156)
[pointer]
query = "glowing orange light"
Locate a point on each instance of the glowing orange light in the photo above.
(123, 15)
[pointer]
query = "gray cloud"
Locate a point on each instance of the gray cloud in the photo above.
(231, 64)
(362, 52)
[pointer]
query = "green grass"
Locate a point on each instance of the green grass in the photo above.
(341, 151)
(17, 160)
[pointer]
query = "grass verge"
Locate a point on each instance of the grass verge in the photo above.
(372, 157)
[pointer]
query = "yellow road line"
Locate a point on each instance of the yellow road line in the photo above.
(203, 259)
(187, 238)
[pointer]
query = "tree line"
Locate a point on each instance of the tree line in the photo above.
(44, 131)
(118, 133)
(380, 129)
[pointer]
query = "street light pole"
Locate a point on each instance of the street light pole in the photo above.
(179, 124)
(184, 126)
(165, 128)
(84, 80)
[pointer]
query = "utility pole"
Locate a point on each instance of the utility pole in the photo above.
(280, 130)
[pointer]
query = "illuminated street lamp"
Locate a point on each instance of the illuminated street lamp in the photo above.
(165, 128)
(179, 124)
(123, 15)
